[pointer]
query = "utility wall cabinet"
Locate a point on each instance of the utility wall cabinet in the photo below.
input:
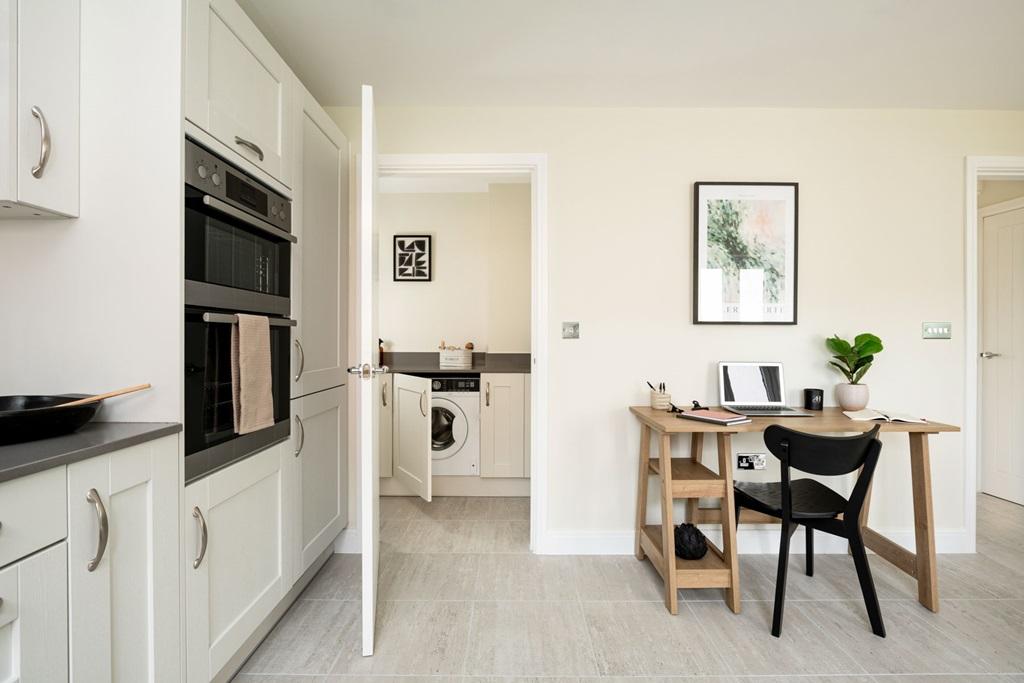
(39, 81)
(504, 435)
(237, 88)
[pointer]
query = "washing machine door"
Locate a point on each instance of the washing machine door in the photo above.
(449, 428)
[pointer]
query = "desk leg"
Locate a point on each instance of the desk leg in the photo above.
(924, 521)
(668, 536)
(732, 594)
(641, 486)
(696, 453)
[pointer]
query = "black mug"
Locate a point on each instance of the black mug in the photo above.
(814, 399)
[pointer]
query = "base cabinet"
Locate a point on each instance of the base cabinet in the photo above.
(385, 426)
(235, 558)
(123, 574)
(503, 425)
(34, 618)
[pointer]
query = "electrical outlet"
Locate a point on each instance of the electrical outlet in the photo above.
(936, 330)
(571, 330)
(750, 461)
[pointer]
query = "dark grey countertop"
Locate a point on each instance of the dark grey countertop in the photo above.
(427, 363)
(95, 438)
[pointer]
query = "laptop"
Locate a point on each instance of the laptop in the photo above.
(754, 390)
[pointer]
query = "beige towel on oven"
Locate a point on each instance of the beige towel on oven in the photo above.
(251, 388)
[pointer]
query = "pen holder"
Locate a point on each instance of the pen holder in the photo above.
(661, 400)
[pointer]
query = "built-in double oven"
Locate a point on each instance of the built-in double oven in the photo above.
(237, 260)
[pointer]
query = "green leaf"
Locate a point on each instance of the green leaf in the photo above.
(860, 373)
(846, 372)
(862, 361)
(838, 346)
(867, 344)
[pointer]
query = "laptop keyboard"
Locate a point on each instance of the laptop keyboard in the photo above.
(776, 409)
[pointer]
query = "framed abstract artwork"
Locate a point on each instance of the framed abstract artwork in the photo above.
(413, 258)
(744, 253)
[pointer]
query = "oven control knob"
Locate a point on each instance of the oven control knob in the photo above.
(273, 210)
(215, 178)
(201, 172)
(436, 385)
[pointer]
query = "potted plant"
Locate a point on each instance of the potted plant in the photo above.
(853, 360)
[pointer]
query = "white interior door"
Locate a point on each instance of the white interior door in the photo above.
(410, 438)
(368, 370)
(1002, 358)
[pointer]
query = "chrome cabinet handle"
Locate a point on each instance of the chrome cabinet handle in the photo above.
(487, 395)
(423, 400)
(93, 496)
(203, 537)
(44, 143)
(251, 145)
(302, 435)
(384, 394)
(989, 354)
(302, 359)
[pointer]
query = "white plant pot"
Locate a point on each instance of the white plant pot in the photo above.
(852, 396)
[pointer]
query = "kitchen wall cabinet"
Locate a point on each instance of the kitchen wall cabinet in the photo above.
(236, 561)
(237, 88)
(320, 258)
(318, 444)
(503, 425)
(34, 618)
(123, 571)
(385, 426)
(39, 109)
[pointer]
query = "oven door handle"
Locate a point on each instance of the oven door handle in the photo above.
(253, 222)
(230, 319)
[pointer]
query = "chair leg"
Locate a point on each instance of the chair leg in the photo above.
(780, 578)
(867, 584)
(738, 508)
(809, 536)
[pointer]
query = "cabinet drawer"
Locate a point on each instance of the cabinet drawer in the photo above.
(33, 513)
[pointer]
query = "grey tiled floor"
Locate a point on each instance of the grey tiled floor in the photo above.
(462, 599)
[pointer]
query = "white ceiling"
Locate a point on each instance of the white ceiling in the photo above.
(800, 53)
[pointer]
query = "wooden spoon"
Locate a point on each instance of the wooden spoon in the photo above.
(109, 394)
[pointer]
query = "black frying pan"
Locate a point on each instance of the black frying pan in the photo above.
(27, 418)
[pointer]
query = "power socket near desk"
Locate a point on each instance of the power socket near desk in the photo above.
(751, 461)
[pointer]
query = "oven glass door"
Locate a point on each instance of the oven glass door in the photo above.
(209, 413)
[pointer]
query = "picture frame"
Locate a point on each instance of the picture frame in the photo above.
(745, 238)
(413, 258)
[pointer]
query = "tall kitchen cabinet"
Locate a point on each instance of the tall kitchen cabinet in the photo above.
(39, 59)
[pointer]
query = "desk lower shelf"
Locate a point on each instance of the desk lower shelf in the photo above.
(691, 479)
(710, 571)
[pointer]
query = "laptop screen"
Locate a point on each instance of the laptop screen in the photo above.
(750, 383)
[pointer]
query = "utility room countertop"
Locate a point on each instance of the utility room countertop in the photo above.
(418, 363)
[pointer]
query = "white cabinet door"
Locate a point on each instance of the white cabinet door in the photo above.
(320, 442)
(386, 426)
(123, 565)
(237, 88)
(411, 434)
(320, 258)
(234, 563)
(39, 50)
(502, 425)
(34, 618)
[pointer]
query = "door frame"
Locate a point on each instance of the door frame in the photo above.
(978, 168)
(536, 167)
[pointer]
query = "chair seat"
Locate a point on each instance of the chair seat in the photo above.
(811, 499)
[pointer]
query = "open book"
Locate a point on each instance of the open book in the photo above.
(886, 416)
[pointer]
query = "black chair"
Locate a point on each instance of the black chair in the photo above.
(814, 505)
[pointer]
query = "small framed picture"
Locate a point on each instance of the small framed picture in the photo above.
(413, 258)
(744, 253)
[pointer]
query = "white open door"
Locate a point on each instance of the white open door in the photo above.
(410, 440)
(367, 371)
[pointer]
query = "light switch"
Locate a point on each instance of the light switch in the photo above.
(571, 330)
(936, 330)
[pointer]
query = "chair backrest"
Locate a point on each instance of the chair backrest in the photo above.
(822, 455)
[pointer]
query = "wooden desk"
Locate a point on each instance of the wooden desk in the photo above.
(920, 565)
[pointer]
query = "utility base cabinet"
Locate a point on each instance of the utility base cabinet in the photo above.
(39, 64)
(503, 425)
(412, 460)
(319, 446)
(385, 426)
(123, 571)
(34, 618)
(235, 558)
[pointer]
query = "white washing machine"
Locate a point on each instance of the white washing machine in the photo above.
(455, 426)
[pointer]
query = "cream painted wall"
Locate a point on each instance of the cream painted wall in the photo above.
(95, 303)
(881, 249)
(995, 191)
(480, 290)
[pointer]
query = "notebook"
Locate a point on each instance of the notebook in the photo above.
(719, 417)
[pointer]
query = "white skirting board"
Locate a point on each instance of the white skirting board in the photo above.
(347, 542)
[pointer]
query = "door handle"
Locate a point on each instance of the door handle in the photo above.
(203, 537)
(44, 143)
(366, 371)
(487, 395)
(302, 359)
(423, 401)
(93, 496)
(988, 354)
(384, 394)
(302, 435)
(251, 145)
